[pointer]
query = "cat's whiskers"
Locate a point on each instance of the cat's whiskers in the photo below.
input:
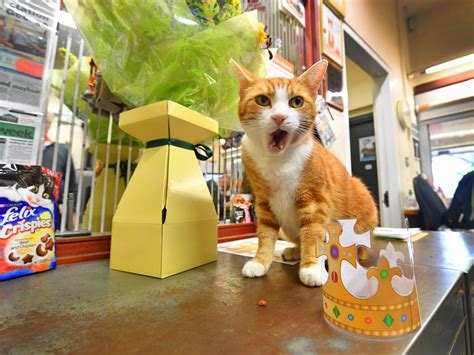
(253, 125)
(304, 127)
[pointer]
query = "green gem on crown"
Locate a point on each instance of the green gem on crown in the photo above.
(336, 311)
(388, 320)
(384, 274)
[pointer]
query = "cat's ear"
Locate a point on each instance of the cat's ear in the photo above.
(312, 77)
(245, 76)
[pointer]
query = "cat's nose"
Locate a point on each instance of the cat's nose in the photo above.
(279, 119)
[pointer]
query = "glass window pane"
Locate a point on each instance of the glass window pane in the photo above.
(452, 151)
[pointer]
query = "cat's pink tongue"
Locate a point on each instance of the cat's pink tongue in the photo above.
(278, 139)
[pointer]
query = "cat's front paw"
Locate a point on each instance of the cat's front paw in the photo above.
(311, 275)
(253, 268)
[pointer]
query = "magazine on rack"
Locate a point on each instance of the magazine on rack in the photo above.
(242, 208)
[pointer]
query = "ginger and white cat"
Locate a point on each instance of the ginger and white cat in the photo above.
(299, 186)
(36, 198)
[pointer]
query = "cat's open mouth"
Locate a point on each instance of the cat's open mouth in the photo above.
(278, 140)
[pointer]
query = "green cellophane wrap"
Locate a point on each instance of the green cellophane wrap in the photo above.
(83, 110)
(156, 50)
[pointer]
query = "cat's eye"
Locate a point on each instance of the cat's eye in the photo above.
(46, 195)
(296, 102)
(262, 100)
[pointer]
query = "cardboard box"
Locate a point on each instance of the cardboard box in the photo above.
(166, 222)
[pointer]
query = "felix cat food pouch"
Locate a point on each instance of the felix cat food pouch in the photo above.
(27, 211)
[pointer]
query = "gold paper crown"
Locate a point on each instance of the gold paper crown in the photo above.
(378, 301)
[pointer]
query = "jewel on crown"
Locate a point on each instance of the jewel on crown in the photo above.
(376, 301)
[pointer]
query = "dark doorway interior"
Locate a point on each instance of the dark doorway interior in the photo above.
(363, 153)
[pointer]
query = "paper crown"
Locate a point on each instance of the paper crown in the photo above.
(376, 301)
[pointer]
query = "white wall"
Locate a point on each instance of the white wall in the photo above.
(359, 87)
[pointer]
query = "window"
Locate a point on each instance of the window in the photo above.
(452, 152)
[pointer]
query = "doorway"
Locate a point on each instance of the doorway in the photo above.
(363, 152)
(361, 127)
(386, 165)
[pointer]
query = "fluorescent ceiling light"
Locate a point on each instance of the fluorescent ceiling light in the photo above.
(455, 134)
(452, 63)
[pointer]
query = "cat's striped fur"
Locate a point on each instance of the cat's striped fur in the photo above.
(298, 184)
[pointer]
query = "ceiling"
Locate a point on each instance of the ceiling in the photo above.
(415, 7)
(438, 31)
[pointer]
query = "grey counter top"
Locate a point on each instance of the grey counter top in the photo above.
(447, 250)
(87, 308)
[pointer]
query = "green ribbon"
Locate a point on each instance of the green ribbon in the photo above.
(123, 168)
(201, 151)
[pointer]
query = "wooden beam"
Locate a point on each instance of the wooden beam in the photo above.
(312, 50)
(234, 229)
(77, 249)
(449, 80)
(86, 248)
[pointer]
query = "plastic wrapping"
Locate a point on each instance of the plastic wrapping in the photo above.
(211, 12)
(84, 112)
(56, 84)
(156, 50)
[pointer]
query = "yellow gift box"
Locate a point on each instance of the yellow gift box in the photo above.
(165, 222)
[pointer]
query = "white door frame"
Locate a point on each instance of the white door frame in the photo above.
(384, 125)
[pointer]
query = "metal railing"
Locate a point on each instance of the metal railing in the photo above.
(111, 163)
(103, 170)
(224, 175)
(286, 32)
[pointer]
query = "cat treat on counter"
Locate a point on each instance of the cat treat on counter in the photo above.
(27, 195)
